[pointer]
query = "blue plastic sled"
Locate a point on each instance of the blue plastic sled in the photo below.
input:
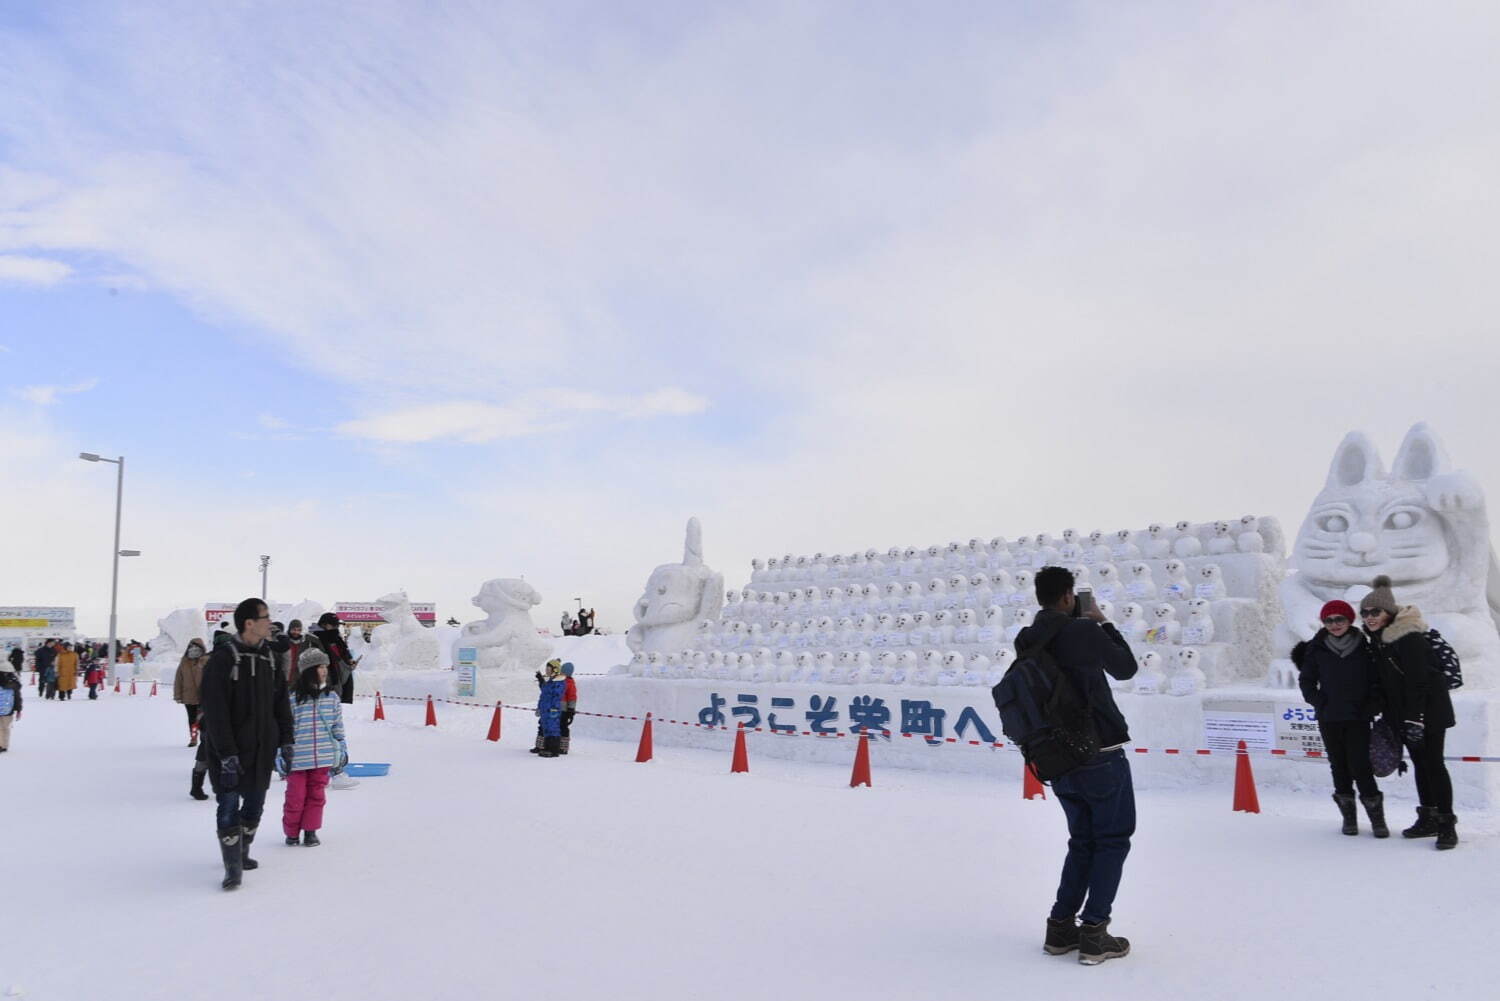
(365, 769)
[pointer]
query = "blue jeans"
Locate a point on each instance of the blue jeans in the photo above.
(241, 807)
(1099, 800)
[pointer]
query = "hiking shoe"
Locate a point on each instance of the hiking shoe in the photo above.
(1096, 944)
(1062, 937)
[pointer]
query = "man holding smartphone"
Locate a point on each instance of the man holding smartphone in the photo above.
(1098, 796)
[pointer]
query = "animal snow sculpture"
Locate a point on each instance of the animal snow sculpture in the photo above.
(1198, 630)
(1177, 587)
(1187, 543)
(403, 642)
(952, 670)
(1188, 677)
(1132, 623)
(1000, 554)
(1107, 586)
(980, 594)
(676, 595)
(1222, 541)
(1002, 586)
(177, 629)
(1249, 539)
(1097, 550)
(1142, 584)
(1424, 524)
(1107, 609)
(1124, 548)
(1150, 678)
(1023, 596)
(966, 622)
(1210, 583)
(907, 666)
(1164, 627)
(1158, 542)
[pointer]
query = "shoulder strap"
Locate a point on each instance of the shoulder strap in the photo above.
(1044, 640)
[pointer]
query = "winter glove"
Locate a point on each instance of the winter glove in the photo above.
(568, 717)
(538, 676)
(229, 773)
(343, 761)
(1413, 731)
(283, 763)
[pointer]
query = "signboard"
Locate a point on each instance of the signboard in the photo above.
(37, 618)
(1263, 724)
(216, 612)
(465, 668)
(369, 612)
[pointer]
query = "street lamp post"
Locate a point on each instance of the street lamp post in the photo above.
(265, 563)
(114, 580)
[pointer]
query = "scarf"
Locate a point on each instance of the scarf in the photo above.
(1343, 645)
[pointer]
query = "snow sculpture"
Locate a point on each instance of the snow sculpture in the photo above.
(177, 629)
(1424, 524)
(1198, 630)
(1222, 541)
(676, 596)
(1210, 583)
(402, 643)
(1177, 587)
(1107, 586)
(1132, 624)
(1249, 539)
(1188, 677)
(1142, 585)
(506, 639)
(1159, 541)
(1124, 549)
(1150, 678)
(1164, 625)
(1187, 545)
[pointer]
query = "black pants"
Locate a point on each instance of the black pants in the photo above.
(1434, 787)
(192, 712)
(1348, 746)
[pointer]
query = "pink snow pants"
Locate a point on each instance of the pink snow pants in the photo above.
(306, 792)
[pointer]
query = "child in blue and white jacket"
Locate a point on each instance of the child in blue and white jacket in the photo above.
(318, 749)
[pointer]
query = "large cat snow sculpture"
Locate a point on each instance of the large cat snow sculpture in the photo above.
(402, 642)
(677, 595)
(1423, 524)
(507, 638)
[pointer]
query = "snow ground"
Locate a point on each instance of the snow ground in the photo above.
(478, 870)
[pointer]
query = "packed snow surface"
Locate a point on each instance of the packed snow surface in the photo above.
(478, 870)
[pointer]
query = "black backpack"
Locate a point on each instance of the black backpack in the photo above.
(1445, 658)
(1043, 713)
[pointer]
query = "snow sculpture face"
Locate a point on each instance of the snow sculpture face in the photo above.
(1187, 658)
(674, 660)
(1106, 575)
(1221, 529)
(1122, 537)
(909, 553)
(784, 659)
(1211, 573)
(856, 562)
(1082, 576)
(891, 590)
(731, 598)
(804, 660)
(705, 629)
(932, 660)
(907, 659)
(637, 659)
(1249, 523)
(1000, 580)
(747, 594)
(654, 658)
(919, 620)
(851, 593)
(941, 618)
(976, 547)
(1198, 606)
(871, 555)
(715, 658)
(1151, 662)
(1003, 658)
(957, 584)
(967, 617)
(846, 659)
(977, 581)
(809, 594)
(994, 616)
(954, 548)
(1132, 613)
(825, 623)
(1164, 613)
(866, 623)
(1107, 609)
(1023, 582)
(773, 564)
(1184, 527)
(953, 661)
(904, 622)
(836, 561)
(885, 622)
(912, 589)
(737, 627)
(1176, 569)
(756, 566)
(1070, 535)
(1043, 540)
(869, 592)
(934, 551)
(1022, 617)
(893, 554)
(888, 660)
(832, 594)
(936, 586)
(999, 545)
(1096, 537)
(795, 627)
(844, 624)
(825, 661)
(1140, 571)
(1156, 530)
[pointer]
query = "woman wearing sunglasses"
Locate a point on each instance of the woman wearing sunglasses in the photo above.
(1417, 705)
(1338, 679)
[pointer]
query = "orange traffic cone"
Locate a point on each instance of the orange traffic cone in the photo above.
(1245, 798)
(379, 707)
(132, 686)
(1032, 787)
(741, 762)
(643, 753)
(861, 773)
(494, 733)
(431, 713)
(153, 689)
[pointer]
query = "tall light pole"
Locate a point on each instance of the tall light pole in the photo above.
(114, 580)
(265, 563)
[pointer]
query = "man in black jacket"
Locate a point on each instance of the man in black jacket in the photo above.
(246, 719)
(1097, 797)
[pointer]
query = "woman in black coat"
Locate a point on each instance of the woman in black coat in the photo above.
(1417, 705)
(1337, 675)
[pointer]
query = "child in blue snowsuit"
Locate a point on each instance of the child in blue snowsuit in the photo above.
(549, 708)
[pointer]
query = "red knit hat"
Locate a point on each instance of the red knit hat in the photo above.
(1337, 607)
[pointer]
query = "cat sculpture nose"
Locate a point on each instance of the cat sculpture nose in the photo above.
(1362, 542)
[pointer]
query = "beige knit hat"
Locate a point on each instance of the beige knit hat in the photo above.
(1381, 597)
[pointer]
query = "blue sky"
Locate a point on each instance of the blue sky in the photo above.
(437, 294)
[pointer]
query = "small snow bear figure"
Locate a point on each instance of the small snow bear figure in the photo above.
(773, 569)
(1083, 577)
(1107, 586)
(1164, 625)
(1198, 630)
(1210, 583)
(934, 563)
(1132, 623)
(870, 595)
(911, 596)
(1176, 588)
(919, 623)
(765, 667)
(1189, 677)
(937, 589)
(1150, 678)
(1019, 620)
(1024, 596)
(941, 633)
(952, 670)
(892, 591)
(1124, 548)
(1045, 554)
(842, 665)
(1187, 543)
(1222, 541)
(1142, 585)
(954, 556)
(1158, 541)
(966, 623)
(1250, 540)
(975, 553)
(825, 635)
(637, 665)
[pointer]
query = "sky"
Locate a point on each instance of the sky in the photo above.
(415, 296)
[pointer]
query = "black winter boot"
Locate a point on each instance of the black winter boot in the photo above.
(310, 839)
(197, 790)
(1062, 937)
(537, 747)
(1096, 944)
(249, 863)
(1345, 801)
(229, 848)
(549, 747)
(1447, 831)
(1375, 810)
(1426, 825)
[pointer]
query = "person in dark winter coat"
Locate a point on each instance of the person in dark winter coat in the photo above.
(246, 717)
(10, 702)
(1336, 672)
(549, 708)
(1416, 704)
(17, 657)
(46, 669)
(187, 683)
(1098, 797)
(340, 659)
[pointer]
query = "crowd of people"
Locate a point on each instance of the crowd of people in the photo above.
(580, 625)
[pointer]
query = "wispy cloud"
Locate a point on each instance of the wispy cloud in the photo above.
(45, 396)
(25, 270)
(536, 413)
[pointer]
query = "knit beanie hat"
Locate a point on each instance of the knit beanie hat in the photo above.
(1337, 607)
(567, 668)
(294, 624)
(1381, 597)
(311, 658)
(328, 620)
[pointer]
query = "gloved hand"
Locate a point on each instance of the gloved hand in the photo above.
(538, 676)
(338, 769)
(229, 773)
(283, 763)
(568, 717)
(1414, 731)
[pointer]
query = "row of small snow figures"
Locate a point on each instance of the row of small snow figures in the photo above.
(981, 590)
(962, 625)
(1157, 541)
(1179, 674)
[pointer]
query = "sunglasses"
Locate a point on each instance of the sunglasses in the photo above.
(1371, 613)
(1334, 620)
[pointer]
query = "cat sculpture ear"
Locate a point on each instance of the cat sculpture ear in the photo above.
(1421, 456)
(1355, 461)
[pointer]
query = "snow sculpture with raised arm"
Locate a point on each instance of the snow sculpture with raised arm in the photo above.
(1424, 524)
(178, 628)
(402, 642)
(676, 596)
(506, 639)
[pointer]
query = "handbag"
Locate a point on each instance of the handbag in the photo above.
(1385, 750)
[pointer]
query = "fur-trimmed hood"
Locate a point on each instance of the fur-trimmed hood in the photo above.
(1407, 621)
